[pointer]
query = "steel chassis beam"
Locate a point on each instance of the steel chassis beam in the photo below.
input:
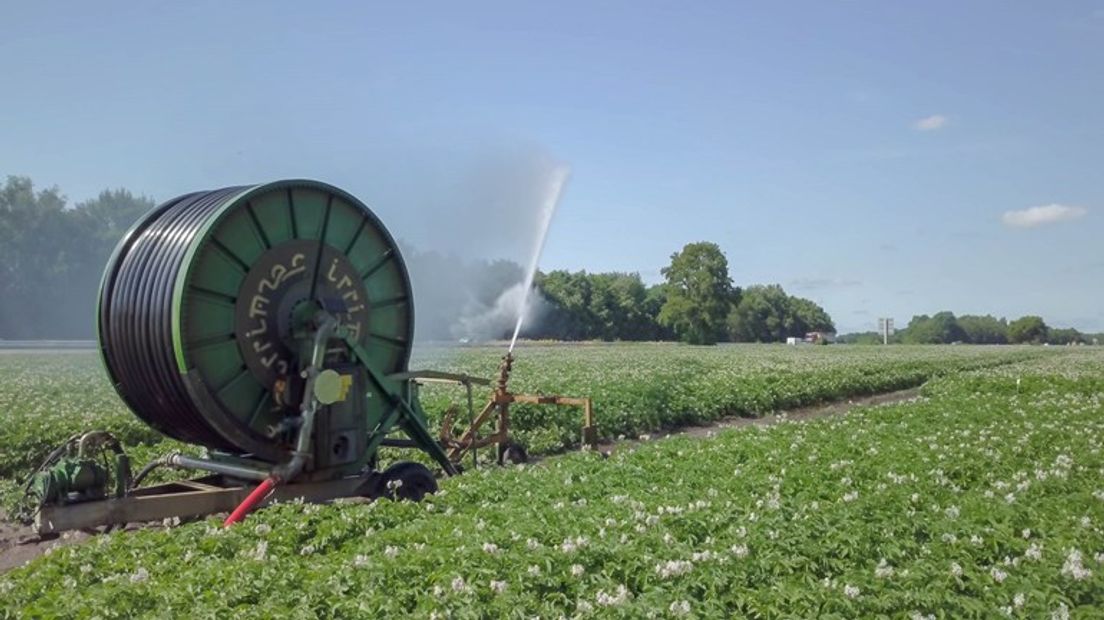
(188, 498)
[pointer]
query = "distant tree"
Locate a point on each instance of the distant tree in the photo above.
(109, 215)
(616, 306)
(97, 224)
(569, 294)
(52, 257)
(653, 304)
(1066, 336)
(699, 293)
(631, 296)
(1028, 330)
(604, 306)
(29, 220)
(812, 316)
(761, 316)
(940, 328)
(918, 331)
(984, 329)
(768, 314)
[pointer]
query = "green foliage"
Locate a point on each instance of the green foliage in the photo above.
(981, 500)
(616, 302)
(941, 328)
(984, 329)
(653, 305)
(47, 397)
(944, 328)
(699, 293)
(51, 257)
(1065, 336)
(768, 314)
(1027, 330)
(596, 306)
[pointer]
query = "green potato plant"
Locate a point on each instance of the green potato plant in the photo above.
(981, 498)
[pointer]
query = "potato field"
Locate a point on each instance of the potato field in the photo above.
(982, 497)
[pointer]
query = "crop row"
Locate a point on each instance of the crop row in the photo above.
(643, 388)
(982, 499)
(46, 398)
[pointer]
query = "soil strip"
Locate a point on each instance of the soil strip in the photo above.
(811, 412)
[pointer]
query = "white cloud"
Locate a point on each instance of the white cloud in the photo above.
(930, 123)
(1042, 214)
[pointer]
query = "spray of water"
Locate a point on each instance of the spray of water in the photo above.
(556, 182)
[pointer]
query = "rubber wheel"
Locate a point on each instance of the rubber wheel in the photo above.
(415, 482)
(514, 454)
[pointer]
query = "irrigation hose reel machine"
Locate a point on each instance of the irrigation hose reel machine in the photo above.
(273, 326)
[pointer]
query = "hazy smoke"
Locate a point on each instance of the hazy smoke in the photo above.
(483, 323)
(467, 230)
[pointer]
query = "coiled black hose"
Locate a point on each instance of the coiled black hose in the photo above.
(136, 317)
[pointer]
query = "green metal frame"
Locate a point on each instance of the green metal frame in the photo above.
(406, 414)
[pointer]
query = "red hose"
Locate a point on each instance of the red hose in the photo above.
(254, 498)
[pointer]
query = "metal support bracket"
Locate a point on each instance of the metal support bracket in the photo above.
(407, 415)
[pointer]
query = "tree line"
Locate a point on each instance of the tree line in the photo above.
(696, 303)
(945, 328)
(52, 255)
(619, 306)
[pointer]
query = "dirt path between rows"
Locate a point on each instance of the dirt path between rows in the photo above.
(802, 413)
(19, 545)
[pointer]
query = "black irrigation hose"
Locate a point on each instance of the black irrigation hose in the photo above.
(145, 471)
(136, 317)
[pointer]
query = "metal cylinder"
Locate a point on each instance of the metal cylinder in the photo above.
(202, 299)
(226, 469)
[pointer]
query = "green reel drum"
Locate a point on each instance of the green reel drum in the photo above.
(205, 311)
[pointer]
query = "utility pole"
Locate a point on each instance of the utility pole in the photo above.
(885, 327)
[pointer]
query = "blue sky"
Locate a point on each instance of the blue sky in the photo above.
(865, 155)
